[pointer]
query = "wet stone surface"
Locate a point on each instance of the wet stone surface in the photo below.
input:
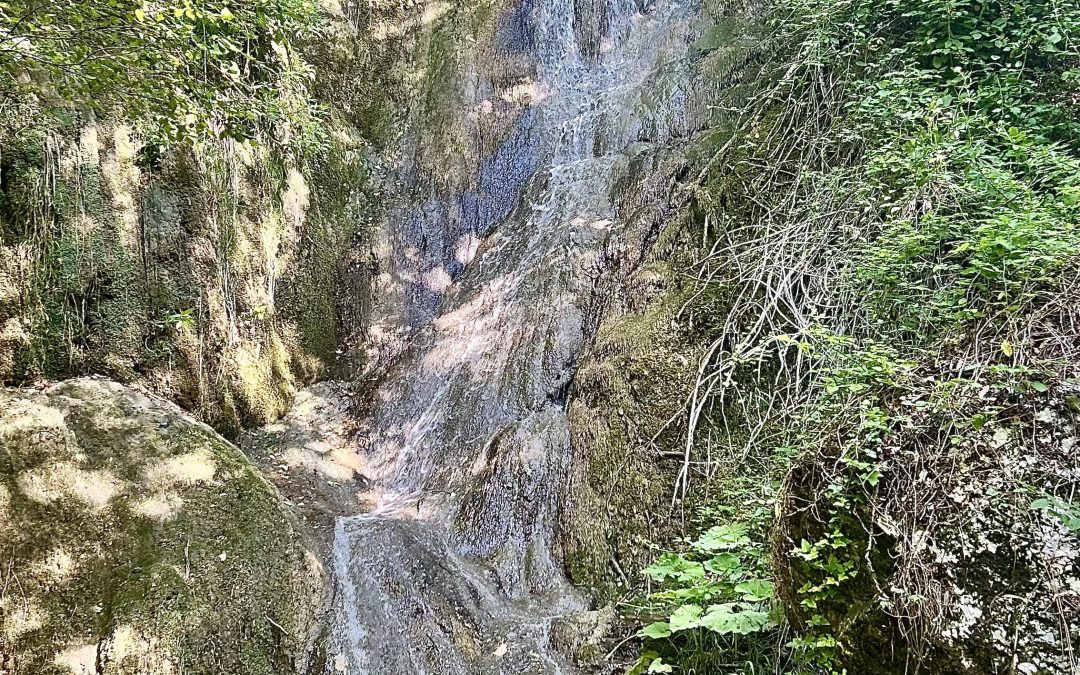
(488, 270)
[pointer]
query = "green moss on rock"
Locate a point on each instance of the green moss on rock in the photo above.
(137, 540)
(627, 391)
(212, 275)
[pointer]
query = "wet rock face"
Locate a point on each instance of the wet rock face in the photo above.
(490, 267)
(310, 457)
(136, 540)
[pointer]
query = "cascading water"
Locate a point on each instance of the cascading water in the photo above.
(467, 450)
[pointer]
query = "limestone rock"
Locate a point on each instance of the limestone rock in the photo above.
(136, 540)
(975, 565)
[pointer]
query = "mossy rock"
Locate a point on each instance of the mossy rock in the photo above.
(967, 551)
(137, 540)
(628, 388)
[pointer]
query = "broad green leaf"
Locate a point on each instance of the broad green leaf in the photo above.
(658, 666)
(724, 564)
(685, 617)
(756, 590)
(735, 618)
(674, 566)
(723, 538)
(656, 631)
(643, 662)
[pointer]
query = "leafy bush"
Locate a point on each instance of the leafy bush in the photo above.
(190, 67)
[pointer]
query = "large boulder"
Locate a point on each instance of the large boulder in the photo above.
(960, 554)
(134, 539)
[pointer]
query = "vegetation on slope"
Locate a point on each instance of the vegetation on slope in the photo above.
(894, 263)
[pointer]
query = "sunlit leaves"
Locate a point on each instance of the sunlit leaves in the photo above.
(717, 587)
(756, 590)
(729, 618)
(675, 567)
(657, 665)
(725, 565)
(685, 617)
(187, 68)
(723, 538)
(657, 630)
(735, 618)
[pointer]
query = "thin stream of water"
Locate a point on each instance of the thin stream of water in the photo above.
(454, 570)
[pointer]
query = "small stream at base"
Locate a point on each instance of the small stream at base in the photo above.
(455, 570)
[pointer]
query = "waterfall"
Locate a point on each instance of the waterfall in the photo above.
(467, 443)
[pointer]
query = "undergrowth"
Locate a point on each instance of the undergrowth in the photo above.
(894, 264)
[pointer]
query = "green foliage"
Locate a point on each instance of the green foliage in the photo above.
(713, 597)
(182, 320)
(1066, 512)
(969, 174)
(875, 416)
(190, 68)
(984, 226)
(915, 165)
(854, 409)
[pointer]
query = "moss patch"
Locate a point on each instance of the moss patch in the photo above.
(626, 394)
(140, 541)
